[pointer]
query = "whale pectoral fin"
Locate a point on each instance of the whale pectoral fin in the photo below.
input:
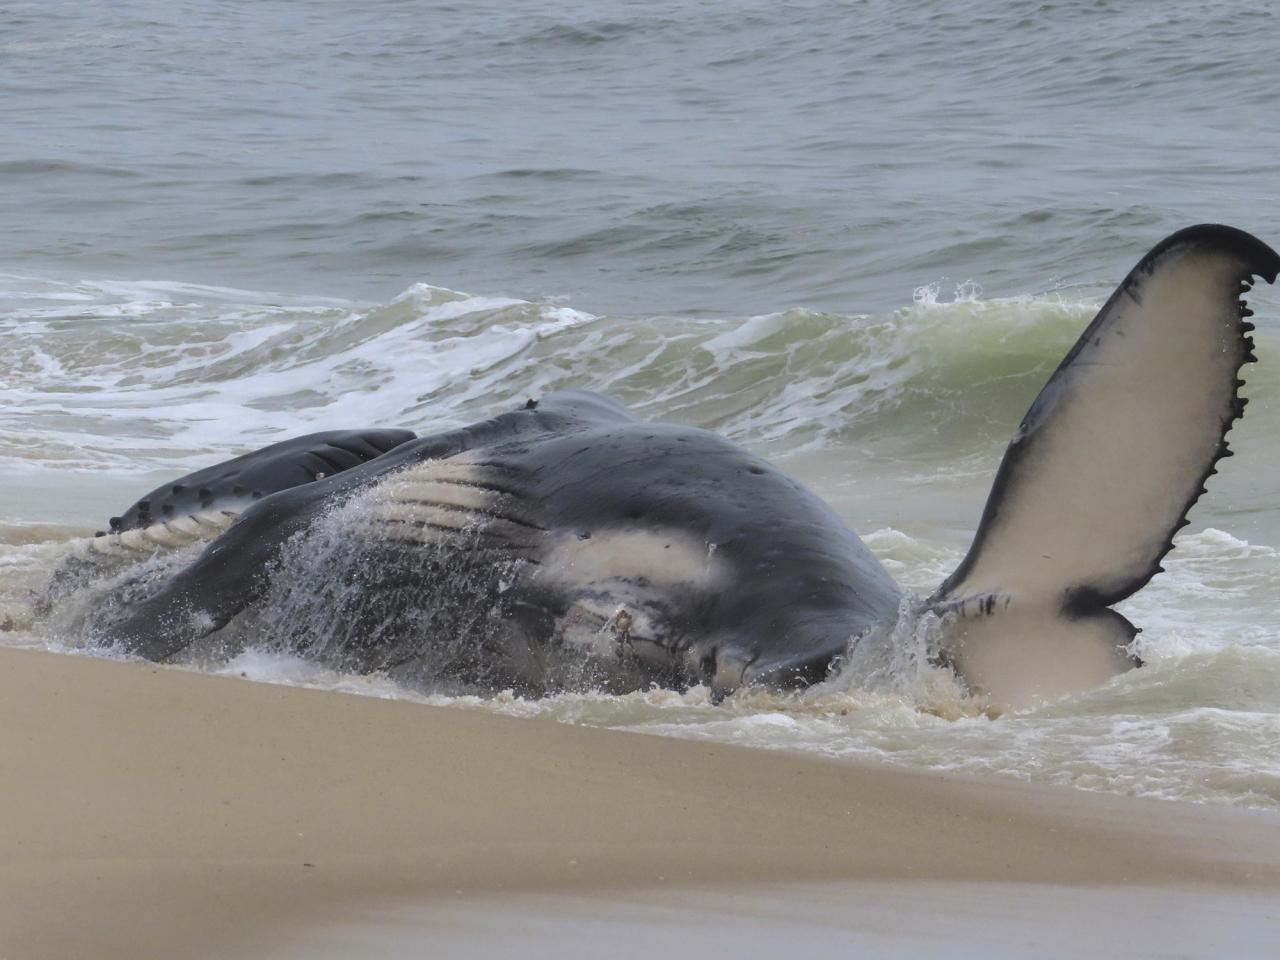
(202, 505)
(230, 575)
(1023, 654)
(1114, 451)
(236, 483)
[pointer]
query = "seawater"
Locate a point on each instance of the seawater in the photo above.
(854, 237)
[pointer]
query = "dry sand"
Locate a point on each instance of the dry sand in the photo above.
(151, 812)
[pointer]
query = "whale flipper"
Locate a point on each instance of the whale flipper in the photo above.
(1103, 470)
(202, 505)
(234, 484)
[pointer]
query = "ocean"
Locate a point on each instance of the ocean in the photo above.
(854, 237)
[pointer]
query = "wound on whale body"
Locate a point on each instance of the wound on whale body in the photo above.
(567, 543)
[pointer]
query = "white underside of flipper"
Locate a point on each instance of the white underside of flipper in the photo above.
(170, 534)
(1102, 472)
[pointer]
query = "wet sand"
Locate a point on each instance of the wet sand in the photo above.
(155, 812)
(885, 920)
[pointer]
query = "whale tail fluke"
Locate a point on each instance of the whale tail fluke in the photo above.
(1103, 470)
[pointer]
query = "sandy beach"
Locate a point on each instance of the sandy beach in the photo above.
(155, 812)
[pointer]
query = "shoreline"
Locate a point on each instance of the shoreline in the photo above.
(156, 811)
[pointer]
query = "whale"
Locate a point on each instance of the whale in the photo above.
(567, 543)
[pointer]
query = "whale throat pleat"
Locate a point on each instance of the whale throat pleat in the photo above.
(449, 501)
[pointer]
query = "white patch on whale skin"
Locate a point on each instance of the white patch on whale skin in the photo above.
(623, 585)
(1026, 654)
(166, 535)
(661, 557)
(604, 626)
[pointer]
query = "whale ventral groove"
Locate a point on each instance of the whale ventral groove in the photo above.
(567, 543)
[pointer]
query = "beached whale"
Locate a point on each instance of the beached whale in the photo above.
(570, 544)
